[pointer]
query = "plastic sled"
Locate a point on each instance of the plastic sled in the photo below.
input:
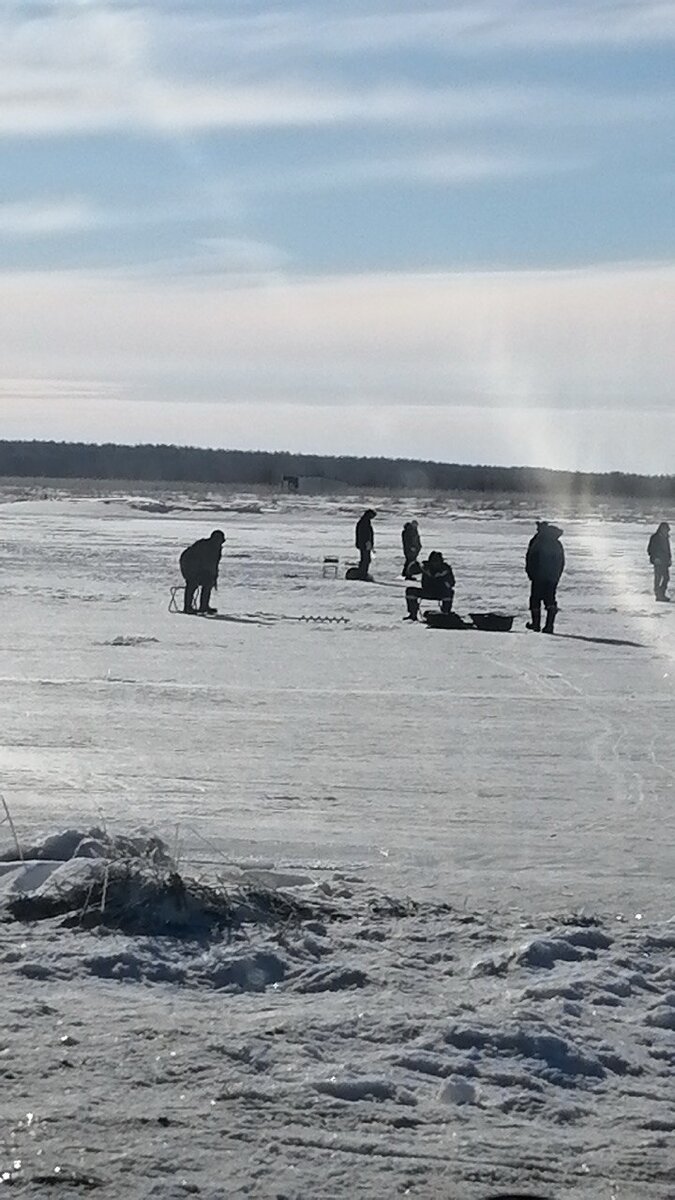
(440, 620)
(492, 622)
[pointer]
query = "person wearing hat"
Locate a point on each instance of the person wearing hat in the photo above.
(544, 564)
(365, 541)
(437, 583)
(199, 565)
(412, 546)
(658, 549)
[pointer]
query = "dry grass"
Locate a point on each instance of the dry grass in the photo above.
(7, 820)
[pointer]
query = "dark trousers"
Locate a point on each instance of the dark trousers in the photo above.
(661, 579)
(364, 561)
(410, 562)
(543, 592)
(413, 595)
(192, 584)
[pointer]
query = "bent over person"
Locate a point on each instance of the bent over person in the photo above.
(658, 549)
(199, 565)
(544, 564)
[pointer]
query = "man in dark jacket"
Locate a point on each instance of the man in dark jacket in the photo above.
(658, 549)
(544, 564)
(438, 583)
(365, 541)
(199, 567)
(412, 546)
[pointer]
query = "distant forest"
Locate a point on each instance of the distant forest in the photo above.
(188, 464)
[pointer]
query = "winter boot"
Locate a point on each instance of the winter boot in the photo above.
(550, 618)
(413, 606)
(535, 623)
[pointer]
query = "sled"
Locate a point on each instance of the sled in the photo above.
(441, 620)
(486, 622)
(492, 622)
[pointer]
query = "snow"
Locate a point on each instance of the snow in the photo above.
(465, 984)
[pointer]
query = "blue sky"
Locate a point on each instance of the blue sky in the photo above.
(424, 229)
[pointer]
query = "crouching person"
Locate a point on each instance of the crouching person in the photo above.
(199, 565)
(437, 583)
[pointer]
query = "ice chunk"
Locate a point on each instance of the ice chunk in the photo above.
(458, 1090)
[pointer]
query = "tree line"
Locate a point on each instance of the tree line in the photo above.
(189, 464)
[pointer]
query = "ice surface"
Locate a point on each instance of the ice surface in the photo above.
(479, 993)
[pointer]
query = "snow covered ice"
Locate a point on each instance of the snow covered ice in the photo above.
(459, 976)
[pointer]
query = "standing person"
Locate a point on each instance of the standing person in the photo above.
(412, 547)
(199, 567)
(658, 549)
(438, 583)
(365, 541)
(544, 564)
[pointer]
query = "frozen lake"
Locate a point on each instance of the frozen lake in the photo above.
(511, 776)
(472, 766)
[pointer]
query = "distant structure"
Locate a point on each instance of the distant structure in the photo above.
(312, 485)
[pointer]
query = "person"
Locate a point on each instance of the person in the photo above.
(412, 546)
(544, 564)
(365, 541)
(437, 583)
(199, 567)
(658, 549)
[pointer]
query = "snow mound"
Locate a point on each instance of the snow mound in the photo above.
(93, 843)
(130, 883)
(552, 1057)
(363, 1088)
(330, 978)
(140, 898)
(546, 951)
(573, 946)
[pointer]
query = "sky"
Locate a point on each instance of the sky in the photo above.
(381, 227)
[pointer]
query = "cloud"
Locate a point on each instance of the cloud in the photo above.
(455, 167)
(472, 26)
(87, 68)
(306, 32)
(241, 260)
(56, 103)
(59, 392)
(41, 218)
(596, 338)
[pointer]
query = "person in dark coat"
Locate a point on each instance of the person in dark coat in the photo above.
(658, 549)
(544, 564)
(412, 546)
(437, 583)
(199, 565)
(365, 541)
